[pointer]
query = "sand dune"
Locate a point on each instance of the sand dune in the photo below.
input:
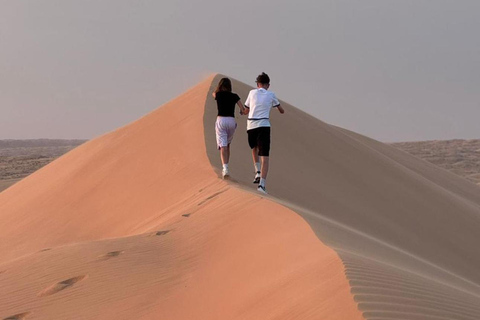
(118, 229)
(393, 219)
(137, 224)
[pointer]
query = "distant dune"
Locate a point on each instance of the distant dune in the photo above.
(138, 224)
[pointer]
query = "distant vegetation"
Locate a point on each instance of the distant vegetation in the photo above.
(19, 158)
(37, 143)
(459, 156)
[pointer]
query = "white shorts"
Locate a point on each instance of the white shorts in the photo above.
(224, 129)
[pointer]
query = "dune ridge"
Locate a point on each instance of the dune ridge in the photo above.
(136, 224)
(392, 218)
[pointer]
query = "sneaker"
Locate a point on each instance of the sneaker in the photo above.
(257, 177)
(225, 173)
(262, 189)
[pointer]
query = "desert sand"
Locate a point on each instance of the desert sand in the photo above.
(138, 224)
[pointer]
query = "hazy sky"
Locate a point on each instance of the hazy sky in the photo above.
(394, 70)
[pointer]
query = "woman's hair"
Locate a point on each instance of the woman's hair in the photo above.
(224, 85)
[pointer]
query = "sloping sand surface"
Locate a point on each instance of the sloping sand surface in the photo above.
(407, 231)
(136, 224)
(234, 257)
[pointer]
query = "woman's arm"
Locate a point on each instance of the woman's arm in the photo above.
(243, 110)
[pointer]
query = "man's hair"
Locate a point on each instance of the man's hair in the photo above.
(263, 78)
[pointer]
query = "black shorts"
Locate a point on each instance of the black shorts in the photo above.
(260, 137)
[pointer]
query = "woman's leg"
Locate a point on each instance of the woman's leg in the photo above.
(225, 154)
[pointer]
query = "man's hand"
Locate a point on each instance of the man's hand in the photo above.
(279, 107)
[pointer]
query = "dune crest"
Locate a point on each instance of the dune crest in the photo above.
(136, 224)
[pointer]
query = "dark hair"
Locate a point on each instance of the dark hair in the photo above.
(263, 78)
(224, 85)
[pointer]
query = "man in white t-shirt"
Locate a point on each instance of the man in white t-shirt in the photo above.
(259, 103)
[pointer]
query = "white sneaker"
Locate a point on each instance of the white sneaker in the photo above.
(257, 177)
(225, 173)
(262, 189)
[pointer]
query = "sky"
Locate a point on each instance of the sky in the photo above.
(394, 70)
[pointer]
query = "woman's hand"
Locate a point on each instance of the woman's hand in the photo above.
(243, 110)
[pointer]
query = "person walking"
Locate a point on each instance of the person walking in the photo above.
(225, 124)
(259, 103)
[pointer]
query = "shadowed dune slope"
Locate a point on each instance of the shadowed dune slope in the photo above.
(136, 225)
(407, 231)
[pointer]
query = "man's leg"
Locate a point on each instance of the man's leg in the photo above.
(253, 143)
(255, 155)
(256, 164)
(261, 183)
(265, 162)
(264, 152)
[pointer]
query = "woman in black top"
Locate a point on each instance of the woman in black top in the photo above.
(225, 125)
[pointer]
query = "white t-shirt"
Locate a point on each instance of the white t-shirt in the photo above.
(260, 102)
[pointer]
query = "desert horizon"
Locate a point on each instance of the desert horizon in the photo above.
(20, 158)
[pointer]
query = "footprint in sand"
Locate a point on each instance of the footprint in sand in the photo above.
(46, 249)
(161, 233)
(19, 316)
(211, 197)
(186, 215)
(62, 285)
(111, 254)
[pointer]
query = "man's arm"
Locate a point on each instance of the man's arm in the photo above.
(276, 103)
(247, 110)
(279, 107)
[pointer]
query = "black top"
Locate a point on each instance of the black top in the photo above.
(226, 103)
